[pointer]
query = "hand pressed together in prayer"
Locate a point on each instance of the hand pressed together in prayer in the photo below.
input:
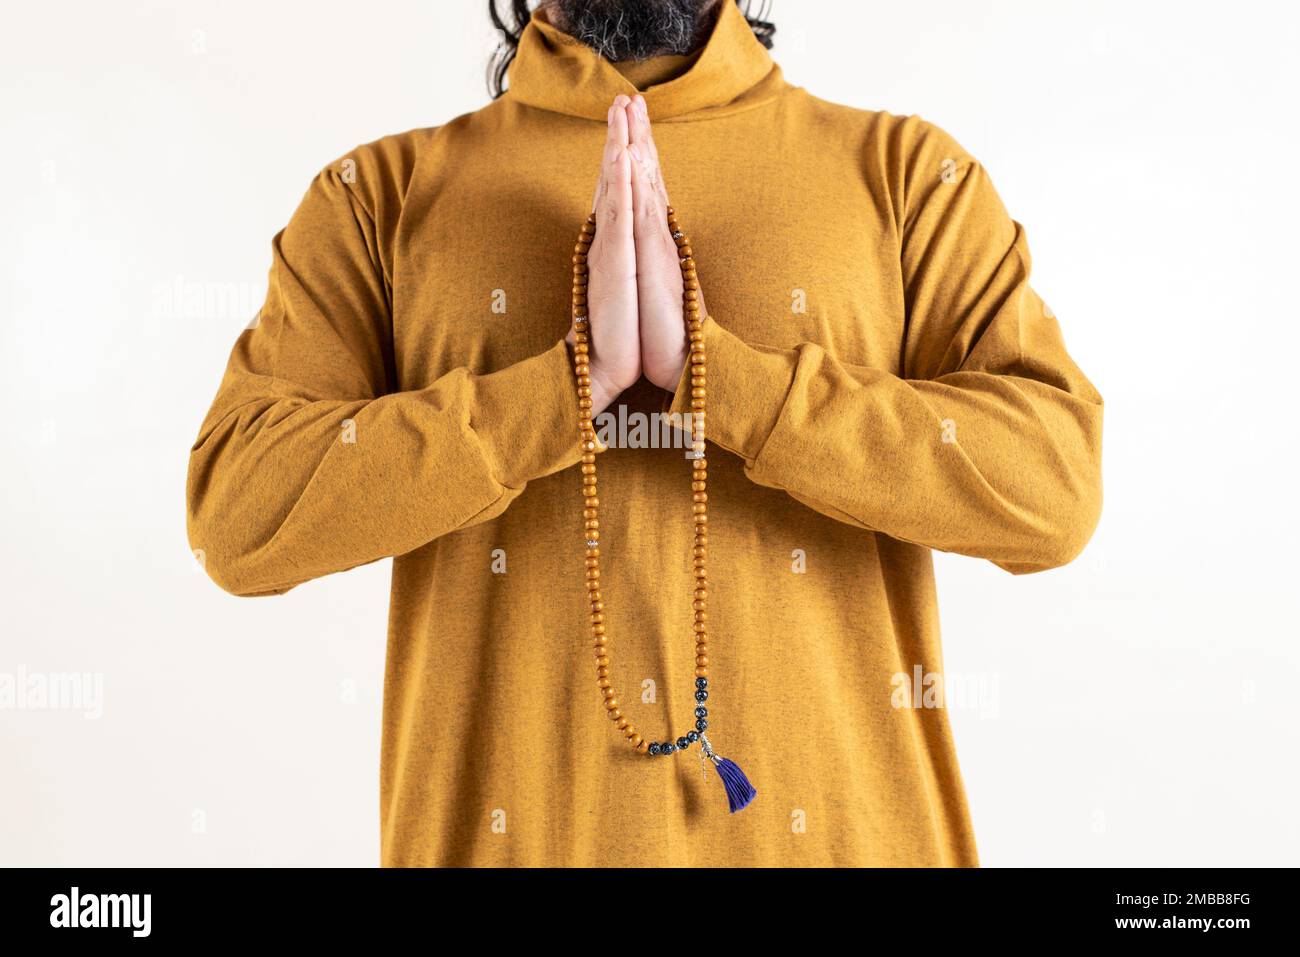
(634, 286)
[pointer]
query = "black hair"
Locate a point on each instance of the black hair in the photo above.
(511, 27)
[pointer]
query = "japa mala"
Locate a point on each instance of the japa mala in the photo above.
(739, 791)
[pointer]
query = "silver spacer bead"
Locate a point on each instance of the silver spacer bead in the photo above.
(592, 543)
(678, 235)
(579, 320)
(697, 455)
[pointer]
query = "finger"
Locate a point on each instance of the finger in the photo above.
(654, 201)
(641, 134)
(617, 211)
(638, 123)
(648, 217)
(615, 138)
(600, 176)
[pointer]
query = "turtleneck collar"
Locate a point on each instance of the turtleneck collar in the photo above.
(732, 71)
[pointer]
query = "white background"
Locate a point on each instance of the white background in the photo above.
(1136, 705)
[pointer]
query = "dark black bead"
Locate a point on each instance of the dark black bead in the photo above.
(654, 747)
(669, 748)
(701, 695)
(701, 712)
(701, 683)
(683, 743)
(692, 736)
(701, 725)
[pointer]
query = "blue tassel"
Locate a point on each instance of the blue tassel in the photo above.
(739, 791)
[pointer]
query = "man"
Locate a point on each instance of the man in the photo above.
(882, 381)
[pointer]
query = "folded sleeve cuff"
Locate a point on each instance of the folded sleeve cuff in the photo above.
(747, 388)
(526, 417)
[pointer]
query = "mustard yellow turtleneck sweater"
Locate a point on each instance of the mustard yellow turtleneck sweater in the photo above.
(882, 382)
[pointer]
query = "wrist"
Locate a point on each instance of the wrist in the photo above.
(670, 371)
(603, 390)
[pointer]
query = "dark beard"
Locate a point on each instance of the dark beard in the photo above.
(635, 29)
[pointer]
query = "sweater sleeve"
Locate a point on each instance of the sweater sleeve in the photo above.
(989, 441)
(309, 463)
